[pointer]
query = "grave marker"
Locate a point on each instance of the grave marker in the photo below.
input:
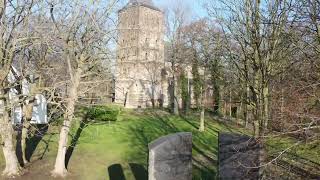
(239, 157)
(39, 112)
(170, 157)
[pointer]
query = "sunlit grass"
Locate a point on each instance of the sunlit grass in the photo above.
(126, 141)
(101, 145)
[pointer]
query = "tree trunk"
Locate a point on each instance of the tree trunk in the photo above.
(27, 110)
(12, 165)
(23, 143)
(282, 105)
(175, 99)
(175, 106)
(225, 108)
(230, 104)
(153, 96)
(203, 97)
(257, 118)
(24, 136)
(256, 125)
(266, 108)
(60, 169)
(245, 105)
(217, 98)
(201, 128)
(245, 115)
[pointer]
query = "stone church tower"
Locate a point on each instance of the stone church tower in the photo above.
(139, 81)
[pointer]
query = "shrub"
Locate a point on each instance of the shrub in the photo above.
(103, 113)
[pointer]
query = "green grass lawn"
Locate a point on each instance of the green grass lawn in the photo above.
(302, 155)
(120, 149)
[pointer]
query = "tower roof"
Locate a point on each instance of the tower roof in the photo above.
(145, 3)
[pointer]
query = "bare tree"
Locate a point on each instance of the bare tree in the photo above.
(13, 18)
(83, 33)
(205, 43)
(258, 31)
(176, 18)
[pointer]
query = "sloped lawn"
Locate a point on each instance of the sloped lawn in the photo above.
(118, 149)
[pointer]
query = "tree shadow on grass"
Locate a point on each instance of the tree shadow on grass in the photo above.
(115, 172)
(205, 155)
(153, 125)
(32, 142)
(225, 123)
(18, 145)
(75, 139)
(190, 123)
(202, 172)
(139, 171)
(196, 125)
(144, 131)
(85, 122)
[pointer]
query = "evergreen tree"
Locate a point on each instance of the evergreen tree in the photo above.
(197, 82)
(184, 92)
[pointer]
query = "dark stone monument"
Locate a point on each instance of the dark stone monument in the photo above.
(239, 157)
(170, 157)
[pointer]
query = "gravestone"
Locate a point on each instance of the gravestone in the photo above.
(239, 157)
(39, 111)
(25, 87)
(16, 113)
(1, 107)
(170, 157)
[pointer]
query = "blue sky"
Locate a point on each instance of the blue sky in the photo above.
(195, 7)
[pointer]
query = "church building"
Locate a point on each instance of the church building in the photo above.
(139, 80)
